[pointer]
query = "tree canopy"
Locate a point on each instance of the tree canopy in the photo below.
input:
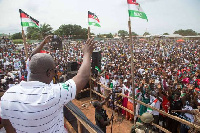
(17, 36)
(39, 33)
(33, 33)
(45, 29)
(134, 34)
(122, 33)
(146, 33)
(105, 35)
(75, 31)
(166, 34)
(188, 32)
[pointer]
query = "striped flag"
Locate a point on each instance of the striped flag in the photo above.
(152, 104)
(27, 21)
(135, 10)
(93, 19)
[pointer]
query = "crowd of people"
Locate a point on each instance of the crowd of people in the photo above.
(166, 74)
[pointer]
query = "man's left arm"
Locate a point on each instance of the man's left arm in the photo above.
(39, 48)
(8, 126)
(106, 99)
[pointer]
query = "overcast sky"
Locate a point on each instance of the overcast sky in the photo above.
(163, 15)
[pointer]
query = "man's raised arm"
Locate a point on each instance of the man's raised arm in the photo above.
(83, 74)
(39, 47)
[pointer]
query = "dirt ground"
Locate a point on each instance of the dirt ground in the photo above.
(120, 125)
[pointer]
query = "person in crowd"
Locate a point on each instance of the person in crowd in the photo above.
(196, 117)
(101, 117)
(175, 104)
(155, 101)
(37, 105)
(125, 99)
(145, 126)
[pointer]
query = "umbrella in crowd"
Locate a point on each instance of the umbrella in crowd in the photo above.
(180, 40)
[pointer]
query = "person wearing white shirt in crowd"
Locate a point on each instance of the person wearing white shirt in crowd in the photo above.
(115, 82)
(125, 92)
(155, 101)
(103, 81)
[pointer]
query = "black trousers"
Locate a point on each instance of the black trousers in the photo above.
(156, 121)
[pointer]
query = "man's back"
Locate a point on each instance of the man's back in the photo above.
(37, 107)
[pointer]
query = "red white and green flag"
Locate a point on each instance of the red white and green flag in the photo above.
(27, 21)
(93, 19)
(153, 105)
(135, 10)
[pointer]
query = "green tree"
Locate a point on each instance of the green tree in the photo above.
(45, 29)
(166, 34)
(57, 32)
(109, 35)
(122, 33)
(33, 33)
(39, 33)
(146, 33)
(188, 32)
(134, 34)
(75, 31)
(17, 36)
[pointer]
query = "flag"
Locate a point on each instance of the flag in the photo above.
(152, 104)
(96, 67)
(111, 85)
(27, 21)
(93, 19)
(135, 10)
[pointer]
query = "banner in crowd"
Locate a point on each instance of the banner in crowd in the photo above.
(27, 21)
(93, 19)
(135, 10)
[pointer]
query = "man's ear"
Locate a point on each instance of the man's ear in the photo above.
(48, 73)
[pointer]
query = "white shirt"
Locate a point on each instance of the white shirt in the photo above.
(141, 70)
(157, 105)
(115, 83)
(103, 80)
(37, 107)
(190, 116)
(124, 88)
(28, 69)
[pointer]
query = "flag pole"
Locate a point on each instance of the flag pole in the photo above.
(90, 80)
(25, 46)
(88, 32)
(132, 68)
(88, 27)
(23, 36)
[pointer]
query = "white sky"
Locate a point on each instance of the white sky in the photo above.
(163, 15)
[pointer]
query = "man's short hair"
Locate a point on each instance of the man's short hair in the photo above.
(40, 63)
(96, 104)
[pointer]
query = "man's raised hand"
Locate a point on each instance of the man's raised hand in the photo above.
(48, 38)
(89, 46)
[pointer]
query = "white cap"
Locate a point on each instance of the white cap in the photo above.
(157, 81)
(125, 80)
